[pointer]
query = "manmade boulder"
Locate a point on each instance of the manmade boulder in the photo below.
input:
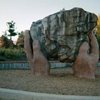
(61, 34)
(66, 36)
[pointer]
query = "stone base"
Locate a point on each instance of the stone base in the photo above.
(84, 69)
(38, 63)
(87, 74)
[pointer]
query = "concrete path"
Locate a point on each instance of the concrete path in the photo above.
(8, 94)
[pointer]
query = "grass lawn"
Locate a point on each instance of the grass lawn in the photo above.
(61, 81)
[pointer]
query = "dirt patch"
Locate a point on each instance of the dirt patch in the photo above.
(61, 81)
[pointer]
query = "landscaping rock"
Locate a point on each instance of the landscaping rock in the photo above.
(65, 36)
(61, 34)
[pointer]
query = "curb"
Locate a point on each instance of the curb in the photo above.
(9, 94)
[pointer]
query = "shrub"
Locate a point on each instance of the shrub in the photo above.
(12, 53)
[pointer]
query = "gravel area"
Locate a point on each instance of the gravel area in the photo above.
(61, 81)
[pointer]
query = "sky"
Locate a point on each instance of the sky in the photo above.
(24, 12)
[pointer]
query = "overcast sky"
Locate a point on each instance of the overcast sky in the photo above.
(24, 12)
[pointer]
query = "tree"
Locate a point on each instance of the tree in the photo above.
(11, 29)
(20, 40)
(5, 42)
(98, 25)
(98, 32)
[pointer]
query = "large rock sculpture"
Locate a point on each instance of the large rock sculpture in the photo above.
(85, 63)
(60, 35)
(38, 62)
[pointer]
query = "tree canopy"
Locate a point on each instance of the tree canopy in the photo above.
(11, 29)
(98, 25)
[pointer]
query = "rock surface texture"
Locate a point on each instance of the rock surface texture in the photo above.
(63, 36)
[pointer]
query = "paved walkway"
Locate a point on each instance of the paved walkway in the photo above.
(9, 94)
